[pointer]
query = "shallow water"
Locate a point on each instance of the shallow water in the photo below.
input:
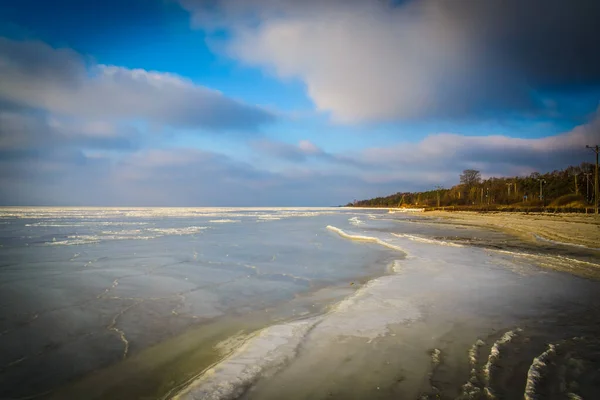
(82, 289)
(287, 303)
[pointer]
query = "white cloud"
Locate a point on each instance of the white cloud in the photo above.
(373, 60)
(359, 63)
(292, 152)
(440, 158)
(59, 81)
(495, 155)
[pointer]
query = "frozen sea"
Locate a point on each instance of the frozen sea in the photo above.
(282, 303)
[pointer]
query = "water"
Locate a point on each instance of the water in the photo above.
(287, 303)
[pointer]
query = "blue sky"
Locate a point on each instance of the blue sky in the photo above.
(263, 102)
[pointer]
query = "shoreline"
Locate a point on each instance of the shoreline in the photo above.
(288, 353)
(238, 336)
(581, 230)
(178, 362)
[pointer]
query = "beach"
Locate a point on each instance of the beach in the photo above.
(328, 303)
(574, 229)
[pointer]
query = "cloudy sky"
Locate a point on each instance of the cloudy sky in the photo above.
(285, 102)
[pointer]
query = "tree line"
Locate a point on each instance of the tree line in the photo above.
(570, 187)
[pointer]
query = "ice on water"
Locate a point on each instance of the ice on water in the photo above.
(426, 291)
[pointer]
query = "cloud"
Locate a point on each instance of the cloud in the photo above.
(47, 160)
(192, 177)
(383, 60)
(439, 159)
(302, 152)
(42, 133)
(60, 81)
(496, 155)
(290, 152)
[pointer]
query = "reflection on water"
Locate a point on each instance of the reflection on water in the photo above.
(303, 303)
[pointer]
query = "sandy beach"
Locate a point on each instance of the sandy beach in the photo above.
(575, 229)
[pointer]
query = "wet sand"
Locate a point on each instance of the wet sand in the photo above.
(575, 229)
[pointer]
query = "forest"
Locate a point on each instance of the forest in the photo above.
(571, 188)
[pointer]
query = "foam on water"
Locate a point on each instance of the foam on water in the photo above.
(125, 232)
(267, 351)
(224, 221)
(436, 355)
(494, 356)
(405, 210)
(557, 262)
(189, 230)
(543, 239)
(491, 367)
(131, 234)
(472, 389)
(536, 372)
(269, 218)
(363, 238)
(426, 240)
(473, 352)
(74, 240)
(355, 221)
(85, 223)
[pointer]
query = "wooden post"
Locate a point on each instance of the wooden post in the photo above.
(596, 149)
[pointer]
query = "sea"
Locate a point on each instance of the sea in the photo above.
(289, 303)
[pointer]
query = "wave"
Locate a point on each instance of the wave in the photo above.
(268, 350)
(269, 217)
(189, 230)
(536, 372)
(491, 367)
(85, 223)
(355, 221)
(126, 232)
(556, 262)
(543, 239)
(494, 356)
(362, 238)
(90, 239)
(224, 221)
(474, 353)
(74, 240)
(426, 240)
(133, 234)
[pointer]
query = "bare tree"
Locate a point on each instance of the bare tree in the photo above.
(470, 178)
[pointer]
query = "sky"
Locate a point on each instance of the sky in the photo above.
(288, 103)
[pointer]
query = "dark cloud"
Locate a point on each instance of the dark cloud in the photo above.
(58, 80)
(39, 134)
(552, 43)
(379, 60)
